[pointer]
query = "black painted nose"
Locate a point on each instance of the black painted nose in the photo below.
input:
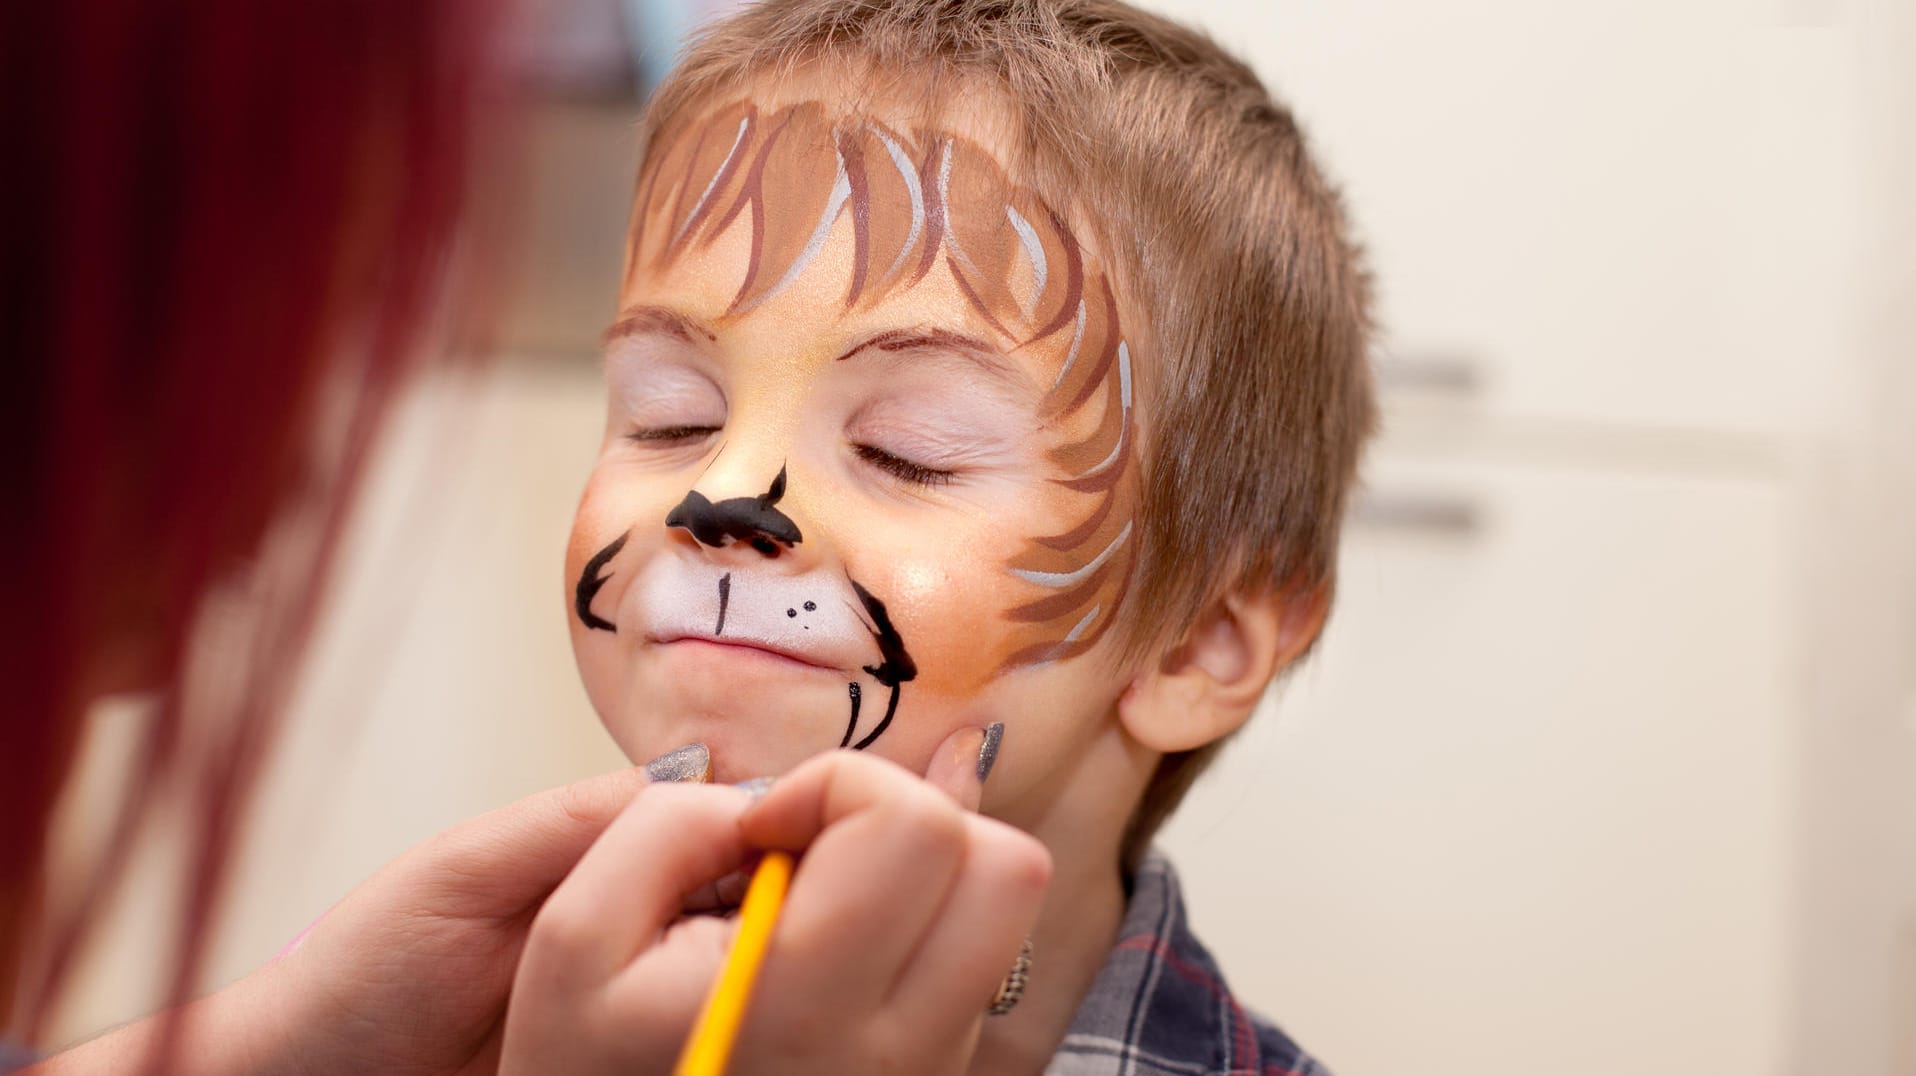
(756, 521)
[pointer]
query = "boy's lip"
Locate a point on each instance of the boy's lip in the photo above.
(748, 646)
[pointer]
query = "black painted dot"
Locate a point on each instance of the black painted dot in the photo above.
(809, 606)
(791, 612)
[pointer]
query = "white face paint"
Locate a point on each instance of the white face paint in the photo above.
(813, 619)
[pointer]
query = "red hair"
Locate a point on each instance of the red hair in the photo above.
(229, 222)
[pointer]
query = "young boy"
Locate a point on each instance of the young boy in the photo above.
(981, 362)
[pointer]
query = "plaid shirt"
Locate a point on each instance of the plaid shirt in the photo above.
(1160, 1008)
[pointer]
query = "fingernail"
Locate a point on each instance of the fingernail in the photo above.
(988, 751)
(756, 787)
(689, 763)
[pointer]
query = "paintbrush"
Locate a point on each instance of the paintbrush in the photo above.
(710, 1045)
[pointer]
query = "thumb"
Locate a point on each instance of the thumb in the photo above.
(507, 860)
(963, 761)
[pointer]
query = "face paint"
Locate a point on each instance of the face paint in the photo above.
(893, 669)
(592, 580)
(910, 199)
(755, 521)
(785, 263)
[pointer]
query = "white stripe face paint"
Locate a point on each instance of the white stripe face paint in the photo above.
(1075, 633)
(1124, 402)
(834, 203)
(1061, 580)
(1034, 250)
(908, 173)
(737, 141)
(1111, 458)
(1077, 338)
(944, 200)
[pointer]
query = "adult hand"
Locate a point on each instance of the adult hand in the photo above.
(904, 915)
(409, 973)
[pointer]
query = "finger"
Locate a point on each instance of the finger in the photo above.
(656, 998)
(673, 979)
(727, 892)
(825, 790)
(504, 862)
(974, 939)
(629, 886)
(953, 769)
(881, 848)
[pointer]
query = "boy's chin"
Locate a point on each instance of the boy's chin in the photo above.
(753, 729)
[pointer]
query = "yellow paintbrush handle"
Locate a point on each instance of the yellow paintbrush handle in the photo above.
(710, 1044)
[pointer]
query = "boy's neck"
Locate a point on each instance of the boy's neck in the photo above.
(1082, 821)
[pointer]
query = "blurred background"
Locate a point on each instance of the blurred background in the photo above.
(1608, 761)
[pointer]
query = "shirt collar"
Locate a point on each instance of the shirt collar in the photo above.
(1160, 1005)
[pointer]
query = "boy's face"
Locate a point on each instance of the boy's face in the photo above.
(869, 467)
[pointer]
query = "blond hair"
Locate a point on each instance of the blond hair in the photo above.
(1226, 242)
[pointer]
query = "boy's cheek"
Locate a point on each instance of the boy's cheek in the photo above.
(1051, 715)
(607, 541)
(947, 589)
(617, 503)
(959, 639)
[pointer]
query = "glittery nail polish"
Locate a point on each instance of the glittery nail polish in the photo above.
(756, 787)
(689, 763)
(988, 751)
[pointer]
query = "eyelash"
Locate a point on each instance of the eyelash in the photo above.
(671, 434)
(904, 469)
(897, 466)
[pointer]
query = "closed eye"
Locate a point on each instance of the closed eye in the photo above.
(671, 435)
(903, 469)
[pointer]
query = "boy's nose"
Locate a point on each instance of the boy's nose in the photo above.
(754, 520)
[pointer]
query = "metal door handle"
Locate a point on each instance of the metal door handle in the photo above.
(1445, 515)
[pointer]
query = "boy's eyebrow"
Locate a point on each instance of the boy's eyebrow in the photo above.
(989, 358)
(636, 320)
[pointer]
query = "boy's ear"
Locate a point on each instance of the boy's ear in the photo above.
(1207, 685)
